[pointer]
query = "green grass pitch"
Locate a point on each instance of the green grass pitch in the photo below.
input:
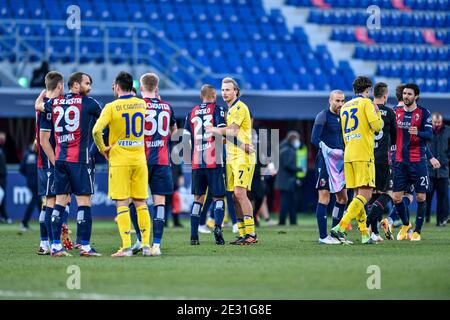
(287, 263)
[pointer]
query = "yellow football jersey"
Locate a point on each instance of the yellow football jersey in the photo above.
(125, 119)
(239, 114)
(359, 122)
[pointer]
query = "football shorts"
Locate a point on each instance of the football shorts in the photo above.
(239, 175)
(211, 179)
(359, 174)
(411, 173)
(160, 179)
(383, 177)
(128, 182)
(46, 182)
(73, 177)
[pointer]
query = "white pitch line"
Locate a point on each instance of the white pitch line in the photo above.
(83, 296)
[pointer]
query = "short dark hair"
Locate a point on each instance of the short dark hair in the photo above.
(414, 87)
(125, 81)
(399, 92)
(77, 77)
(52, 79)
(361, 83)
(380, 89)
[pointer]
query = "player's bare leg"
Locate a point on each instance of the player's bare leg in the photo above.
(246, 212)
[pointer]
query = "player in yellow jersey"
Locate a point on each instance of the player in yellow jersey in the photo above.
(360, 119)
(128, 173)
(240, 165)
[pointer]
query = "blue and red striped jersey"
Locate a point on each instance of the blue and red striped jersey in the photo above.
(71, 117)
(159, 118)
(203, 147)
(44, 123)
(412, 148)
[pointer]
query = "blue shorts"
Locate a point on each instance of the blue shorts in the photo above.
(73, 178)
(321, 174)
(411, 174)
(46, 182)
(211, 179)
(160, 179)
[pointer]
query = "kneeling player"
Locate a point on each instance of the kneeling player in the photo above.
(207, 164)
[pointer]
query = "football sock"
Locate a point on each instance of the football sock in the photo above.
(84, 224)
(321, 215)
(361, 218)
(420, 215)
(230, 207)
(42, 227)
(379, 207)
(134, 220)
(393, 215)
(124, 224)
(158, 224)
(249, 225)
(195, 219)
(48, 223)
(218, 212)
(407, 203)
(57, 219)
(354, 210)
(401, 211)
(145, 225)
(241, 227)
(338, 212)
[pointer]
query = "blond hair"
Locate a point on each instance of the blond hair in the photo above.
(149, 81)
(207, 91)
(236, 87)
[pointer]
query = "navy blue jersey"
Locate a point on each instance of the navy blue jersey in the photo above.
(204, 144)
(159, 118)
(327, 128)
(71, 117)
(44, 123)
(412, 148)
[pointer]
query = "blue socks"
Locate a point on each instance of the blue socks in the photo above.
(59, 214)
(42, 226)
(321, 215)
(338, 212)
(158, 224)
(401, 211)
(407, 203)
(219, 212)
(84, 224)
(134, 220)
(195, 219)
(48, 223)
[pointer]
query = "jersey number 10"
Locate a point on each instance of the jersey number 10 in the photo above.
(134, 124)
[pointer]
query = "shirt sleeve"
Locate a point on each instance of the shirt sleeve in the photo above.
(187, 124)
(393, 127)
(102, 122)
(373, 117)
(94, 107)
(319, 124)
(425, 130)
(45, 121)
(219, 117)
(173, 119)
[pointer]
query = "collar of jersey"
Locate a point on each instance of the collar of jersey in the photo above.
(126, 96)
(204, 104)
(358, 96)
(236, 101)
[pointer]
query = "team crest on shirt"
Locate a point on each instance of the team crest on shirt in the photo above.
(417, 116)
(323, 182)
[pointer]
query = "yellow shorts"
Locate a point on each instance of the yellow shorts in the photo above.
(359, 174)
(128, 182)
(239, 175)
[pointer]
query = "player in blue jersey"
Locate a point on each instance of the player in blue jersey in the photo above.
(327, 136)
(71, 117)
(414, 129)
(160, 123)
(206, 159)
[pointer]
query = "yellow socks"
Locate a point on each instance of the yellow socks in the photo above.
(353, 211)
(241, 228)
(249, 225)
(124, 224)
(145, 225)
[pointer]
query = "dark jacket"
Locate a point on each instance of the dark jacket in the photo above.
(286, 177)
(28, 168)
(439, 147)
(2, 168)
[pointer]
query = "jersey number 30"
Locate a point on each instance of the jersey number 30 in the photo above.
(352, 116)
